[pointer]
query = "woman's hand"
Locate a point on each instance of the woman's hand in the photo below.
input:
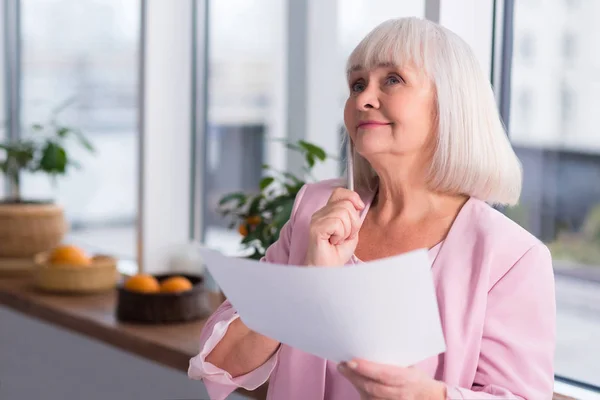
(386, 382)
(333, 233)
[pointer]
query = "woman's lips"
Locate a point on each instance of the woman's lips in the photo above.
(371, 124)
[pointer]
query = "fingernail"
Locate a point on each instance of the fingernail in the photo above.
(352, 364)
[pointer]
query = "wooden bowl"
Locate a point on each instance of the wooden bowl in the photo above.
(163, 308)
(102, 275)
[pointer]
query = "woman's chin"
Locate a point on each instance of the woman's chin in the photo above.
(371, 147)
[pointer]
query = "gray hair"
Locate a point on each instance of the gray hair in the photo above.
(473, 154)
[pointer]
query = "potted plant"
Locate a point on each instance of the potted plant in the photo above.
(30, 226)
(260, 216)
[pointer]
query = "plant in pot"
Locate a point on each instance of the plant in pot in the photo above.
(260, 216)
(30, 226)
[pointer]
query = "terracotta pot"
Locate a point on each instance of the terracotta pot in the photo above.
(27, 229)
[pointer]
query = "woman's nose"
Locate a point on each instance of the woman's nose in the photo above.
(368, 99)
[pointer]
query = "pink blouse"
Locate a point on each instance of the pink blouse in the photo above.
(495, 289)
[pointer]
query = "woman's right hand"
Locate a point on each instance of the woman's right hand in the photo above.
(333, 233)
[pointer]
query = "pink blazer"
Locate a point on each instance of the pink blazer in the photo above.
(495, 289)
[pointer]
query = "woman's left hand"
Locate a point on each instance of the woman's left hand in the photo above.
(386, 382)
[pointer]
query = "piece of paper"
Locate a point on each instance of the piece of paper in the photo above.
(383, 311)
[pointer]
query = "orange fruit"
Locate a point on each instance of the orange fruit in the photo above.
(243, 230)
(253, 220)
(142, 283)
(175, 284)
(69, 255)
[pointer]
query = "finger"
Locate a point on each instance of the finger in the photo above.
(386, 374)
(345, 194)
(333, 229)
(355, 221)
(368, 388)
(337, 224)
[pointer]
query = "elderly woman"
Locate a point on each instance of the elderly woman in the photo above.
(431, 156)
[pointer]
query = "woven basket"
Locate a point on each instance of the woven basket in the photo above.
(100, 276)
(161, 308)
(29, 229)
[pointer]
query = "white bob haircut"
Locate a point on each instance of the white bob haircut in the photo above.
(473, 155)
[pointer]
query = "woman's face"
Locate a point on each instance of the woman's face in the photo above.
(390, 111)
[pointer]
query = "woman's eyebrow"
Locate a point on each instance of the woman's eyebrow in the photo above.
(358, 67)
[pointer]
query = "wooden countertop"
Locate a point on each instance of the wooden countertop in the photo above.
(94, 316)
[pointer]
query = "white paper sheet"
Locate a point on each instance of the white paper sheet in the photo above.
(384, 311)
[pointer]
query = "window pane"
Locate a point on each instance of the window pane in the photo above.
(85, 52)
(554, 98)
(245, 104)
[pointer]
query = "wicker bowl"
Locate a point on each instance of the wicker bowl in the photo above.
(163, 308)
(28, 229)
(102, 275)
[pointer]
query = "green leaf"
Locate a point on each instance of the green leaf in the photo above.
(284, 214)
(291, 189)
(252, 235)
(312, 149)
(257, 255)
(54, 159)
(84, 142)
(310, 159)
(239, 196)
(37, 127)
(63, 132)
(278, 206)
(19, 155)
(265, 182)
(293, 147)
(255, 205)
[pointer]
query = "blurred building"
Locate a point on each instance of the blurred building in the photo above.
(555, 82)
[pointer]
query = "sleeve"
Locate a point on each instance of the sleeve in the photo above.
(519, 334)
(219, 383)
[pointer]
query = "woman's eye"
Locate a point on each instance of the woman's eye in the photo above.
(393, 79)
(358, 87)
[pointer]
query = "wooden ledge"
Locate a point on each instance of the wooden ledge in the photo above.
(94, 316)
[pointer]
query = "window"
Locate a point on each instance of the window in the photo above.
(526, 46)
(560, 203)
(523, 112)
(244, 104)
(85, 53)
(569, 46)
(572, 4)
(567, 106)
